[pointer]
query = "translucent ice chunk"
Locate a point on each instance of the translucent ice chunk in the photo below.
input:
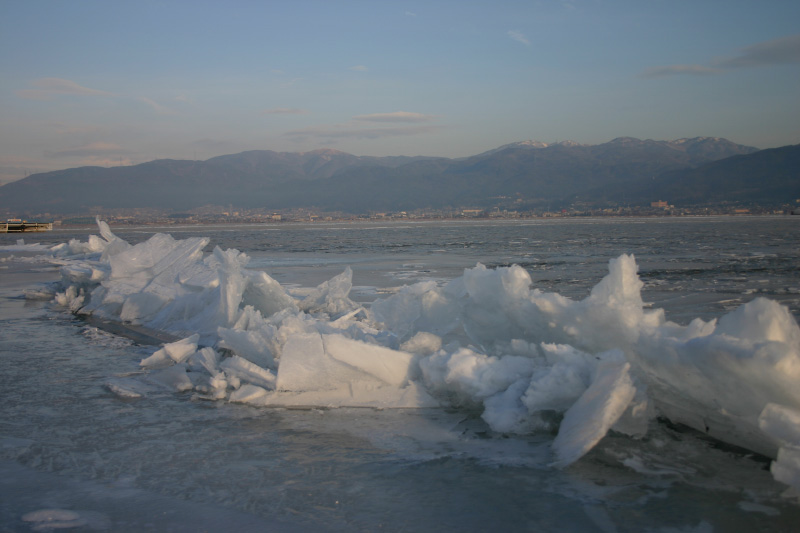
(590, 418)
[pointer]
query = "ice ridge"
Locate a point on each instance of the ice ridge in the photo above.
(530, 360)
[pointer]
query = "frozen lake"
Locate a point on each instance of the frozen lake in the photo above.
(85, 457)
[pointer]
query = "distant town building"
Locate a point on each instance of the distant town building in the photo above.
(659, 203)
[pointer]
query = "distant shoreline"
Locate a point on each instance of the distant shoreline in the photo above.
(235, 221)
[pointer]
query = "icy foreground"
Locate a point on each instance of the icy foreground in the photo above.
(528, 360)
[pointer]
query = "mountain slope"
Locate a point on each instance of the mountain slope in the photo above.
(766, 177)
(538, 173)
(527, 173)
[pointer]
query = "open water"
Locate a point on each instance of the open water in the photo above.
(169, 463)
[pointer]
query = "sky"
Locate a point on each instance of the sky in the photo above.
(125, 82)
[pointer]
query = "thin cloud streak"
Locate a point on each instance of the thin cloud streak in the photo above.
(13, 168)
(284, 111)
(349, 132)
(396, 116)
(95, 149)
(782, 51)
(155, 106)
(62, 128)
(48, 88)
(356, 129)
(213, 145)
(96, 161)
(673, 70)
(518, 36)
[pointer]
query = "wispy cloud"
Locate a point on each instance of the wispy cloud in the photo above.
(62, 128)
(410, 14)
(284, 111)
(358, 128)
(13, 168)
(782, 51)
(673, 70)
(359, 68)
(347, 131)
(155, 106)
(519, 37)
(48, 88)
(214, 145)
(97, 161)
(396, 116)
(95, 149)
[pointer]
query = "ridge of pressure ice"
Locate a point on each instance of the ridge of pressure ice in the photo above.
(530, 360)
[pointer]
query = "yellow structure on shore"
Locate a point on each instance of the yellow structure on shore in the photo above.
(17, 225)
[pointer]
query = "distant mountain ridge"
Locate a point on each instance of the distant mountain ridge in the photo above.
(695, 145)
(524, 175)
(316, 164)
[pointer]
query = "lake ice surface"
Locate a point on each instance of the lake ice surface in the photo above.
(81, 406)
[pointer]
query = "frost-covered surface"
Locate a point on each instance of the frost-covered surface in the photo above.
(529, 360)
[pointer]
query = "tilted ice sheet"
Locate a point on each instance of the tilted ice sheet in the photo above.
(530, 360)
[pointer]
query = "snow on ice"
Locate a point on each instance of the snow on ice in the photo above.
(530, 360)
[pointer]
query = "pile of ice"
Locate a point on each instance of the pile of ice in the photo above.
(20, 246)
(528, 360)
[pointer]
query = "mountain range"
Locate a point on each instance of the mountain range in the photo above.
(522, 175)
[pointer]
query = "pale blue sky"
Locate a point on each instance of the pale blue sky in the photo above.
(113, 82)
